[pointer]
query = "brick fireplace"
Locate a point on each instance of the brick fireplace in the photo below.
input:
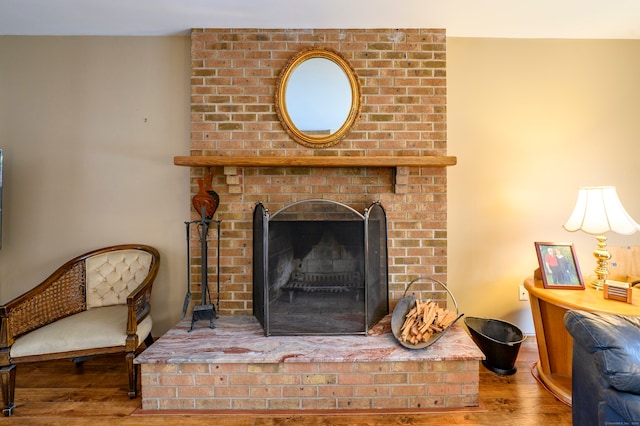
(403, 78)
(396, 153)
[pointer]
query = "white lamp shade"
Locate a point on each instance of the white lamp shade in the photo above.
(598, 210)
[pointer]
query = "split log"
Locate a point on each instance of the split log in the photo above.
(423, 320)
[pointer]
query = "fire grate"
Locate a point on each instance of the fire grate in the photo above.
(332, 282)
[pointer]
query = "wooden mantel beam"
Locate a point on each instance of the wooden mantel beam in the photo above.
(315, 161)
(233, 164)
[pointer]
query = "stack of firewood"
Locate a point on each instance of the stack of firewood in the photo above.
(423, 320)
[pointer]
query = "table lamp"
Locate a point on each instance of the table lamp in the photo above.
(597, 211)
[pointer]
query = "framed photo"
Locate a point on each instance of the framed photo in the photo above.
(559, 266)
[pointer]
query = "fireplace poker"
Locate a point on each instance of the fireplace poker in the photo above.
(187, 297)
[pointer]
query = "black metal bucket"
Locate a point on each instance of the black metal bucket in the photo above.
(498, 340)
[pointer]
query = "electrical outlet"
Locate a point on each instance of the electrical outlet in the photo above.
(523, 294)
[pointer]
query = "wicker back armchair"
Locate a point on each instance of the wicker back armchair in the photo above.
(95, 304)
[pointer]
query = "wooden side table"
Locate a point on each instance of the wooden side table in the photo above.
(555, 345)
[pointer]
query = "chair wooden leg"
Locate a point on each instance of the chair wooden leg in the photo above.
(8, 383)
(132, 370)
(148, 341)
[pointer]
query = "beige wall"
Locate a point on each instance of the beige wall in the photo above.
(530, 122)
(90, 127)
(528, 119)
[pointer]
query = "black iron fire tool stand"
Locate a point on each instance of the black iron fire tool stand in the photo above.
(206, 310)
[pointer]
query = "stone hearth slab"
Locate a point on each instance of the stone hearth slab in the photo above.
(235, 367)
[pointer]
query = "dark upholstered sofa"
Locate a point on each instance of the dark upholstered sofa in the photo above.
(606, 368)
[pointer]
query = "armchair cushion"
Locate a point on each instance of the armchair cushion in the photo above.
(96, 328)
(112, 276)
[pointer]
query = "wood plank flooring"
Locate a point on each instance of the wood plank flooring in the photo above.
(57, 393)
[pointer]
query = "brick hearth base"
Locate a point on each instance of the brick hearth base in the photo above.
(234, 367)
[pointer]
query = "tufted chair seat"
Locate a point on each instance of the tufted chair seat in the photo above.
(96, 303)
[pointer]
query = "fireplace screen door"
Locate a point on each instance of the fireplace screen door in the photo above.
(319, 267)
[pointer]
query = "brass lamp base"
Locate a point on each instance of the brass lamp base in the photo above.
(603, 256)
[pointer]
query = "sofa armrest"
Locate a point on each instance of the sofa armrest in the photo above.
(62, 294)
(614, 343)
(587, 385)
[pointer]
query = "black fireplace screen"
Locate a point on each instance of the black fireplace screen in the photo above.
(319, 267)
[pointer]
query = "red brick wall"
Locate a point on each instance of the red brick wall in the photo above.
(403, 78)
(424, 385)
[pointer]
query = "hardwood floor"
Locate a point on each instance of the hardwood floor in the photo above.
(58, 393)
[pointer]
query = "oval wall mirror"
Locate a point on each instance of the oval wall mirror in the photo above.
(317, 97)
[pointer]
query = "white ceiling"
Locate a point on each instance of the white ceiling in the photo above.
(461, 18)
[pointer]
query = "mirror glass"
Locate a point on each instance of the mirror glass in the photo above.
(318, 97)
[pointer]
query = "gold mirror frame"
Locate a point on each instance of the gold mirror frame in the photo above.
(309, 140)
